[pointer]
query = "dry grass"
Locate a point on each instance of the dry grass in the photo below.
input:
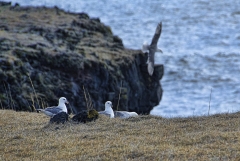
(28, 136)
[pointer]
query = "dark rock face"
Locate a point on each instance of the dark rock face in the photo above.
(46, 53)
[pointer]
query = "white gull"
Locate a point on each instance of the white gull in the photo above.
(108, 110)
(122, 114)
(51, 111)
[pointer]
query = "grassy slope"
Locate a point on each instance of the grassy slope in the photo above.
(28, 136)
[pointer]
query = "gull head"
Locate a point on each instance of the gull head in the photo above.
(108, 105)
(63, 100)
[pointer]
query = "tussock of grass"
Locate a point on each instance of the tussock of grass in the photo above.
(29, 136)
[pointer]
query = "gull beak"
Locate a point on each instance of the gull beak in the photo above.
(67, 102)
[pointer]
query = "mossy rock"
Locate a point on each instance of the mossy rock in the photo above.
(62, 52)
(86, 116)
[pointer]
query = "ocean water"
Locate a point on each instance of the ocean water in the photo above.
(200, 41)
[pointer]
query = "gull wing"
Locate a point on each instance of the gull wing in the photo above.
(125, 114)
(153, 48)
(53, 110)
(157, 34)
(104, 113)
(120, 114)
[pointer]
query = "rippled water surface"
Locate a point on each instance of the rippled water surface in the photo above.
(200, 42)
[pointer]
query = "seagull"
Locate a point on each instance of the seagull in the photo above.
(108, 110)
(51, 111)
(125, 114)
(122, 114)
(152, 48)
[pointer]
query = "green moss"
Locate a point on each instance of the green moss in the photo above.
(124, 90)
(3, 96)
(92, 114)
(125, 97)
(109, 29)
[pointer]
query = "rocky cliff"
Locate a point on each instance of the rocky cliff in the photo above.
(46, 53)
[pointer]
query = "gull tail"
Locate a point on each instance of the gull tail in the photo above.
(159, 50)
(39, 110)
(133, 114)
(150, 68)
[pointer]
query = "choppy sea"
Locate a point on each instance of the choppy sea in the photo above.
(200, 41)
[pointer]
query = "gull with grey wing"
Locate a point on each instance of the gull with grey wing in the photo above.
(152, 48)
